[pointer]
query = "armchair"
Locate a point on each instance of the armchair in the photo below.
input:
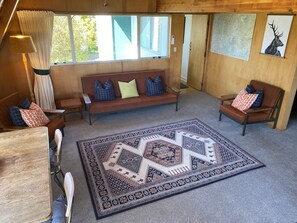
(268, 112)
(14, 99)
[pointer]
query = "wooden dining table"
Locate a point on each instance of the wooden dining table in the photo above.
(25, 182)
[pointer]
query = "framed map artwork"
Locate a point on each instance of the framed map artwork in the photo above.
(232, 35)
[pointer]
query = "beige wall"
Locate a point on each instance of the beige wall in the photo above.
(227, 75)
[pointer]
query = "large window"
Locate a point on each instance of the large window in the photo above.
(81, 38)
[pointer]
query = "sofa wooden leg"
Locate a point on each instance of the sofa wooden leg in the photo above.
(244, 125)
(90, 118)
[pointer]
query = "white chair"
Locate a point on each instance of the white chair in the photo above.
(55, 158)
(60, 215)
(69, 191)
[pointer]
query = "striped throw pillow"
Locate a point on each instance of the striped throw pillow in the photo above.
(104, 93)
(154, 87)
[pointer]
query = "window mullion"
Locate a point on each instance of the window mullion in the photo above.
(71, 38)
(138, 37)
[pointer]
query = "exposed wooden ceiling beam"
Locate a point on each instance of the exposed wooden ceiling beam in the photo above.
(209, 6)
(6, 13)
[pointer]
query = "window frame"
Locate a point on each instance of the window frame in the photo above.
(72, 43)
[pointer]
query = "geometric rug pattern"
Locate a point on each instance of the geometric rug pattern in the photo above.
(133, 168)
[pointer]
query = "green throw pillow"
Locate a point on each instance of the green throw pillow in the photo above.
(128, 90)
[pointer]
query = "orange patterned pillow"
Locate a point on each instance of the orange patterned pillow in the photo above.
(34, 116)
(244, 100)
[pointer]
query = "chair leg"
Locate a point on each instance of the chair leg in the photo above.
(62, 173)
(243, 131)
(244, 125)
(58, 182)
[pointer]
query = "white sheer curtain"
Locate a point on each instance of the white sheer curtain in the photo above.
(39, 25)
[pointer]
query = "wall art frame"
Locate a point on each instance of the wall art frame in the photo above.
(276, 35)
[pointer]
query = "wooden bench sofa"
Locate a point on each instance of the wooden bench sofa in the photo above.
(94, 107)
(15, 99)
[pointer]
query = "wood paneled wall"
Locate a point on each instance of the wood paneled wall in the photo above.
(176, 49)
(227, 75)
(204, 6)
(12, 72)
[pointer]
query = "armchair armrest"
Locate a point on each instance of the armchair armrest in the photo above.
(229, 97)
(255, 110)
(54, 111)
(86, 98)
(174, 90)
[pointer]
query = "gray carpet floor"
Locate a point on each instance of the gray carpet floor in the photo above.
(267, 194)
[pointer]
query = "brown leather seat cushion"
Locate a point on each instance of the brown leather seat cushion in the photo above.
(239, 116)
(135, 102)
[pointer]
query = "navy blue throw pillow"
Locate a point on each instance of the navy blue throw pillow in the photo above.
(25, 104)
(154, 87)
(16, 116)
(249, 89)
(104, 93)
(259, 99)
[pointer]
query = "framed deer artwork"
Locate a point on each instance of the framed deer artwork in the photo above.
(276, 35)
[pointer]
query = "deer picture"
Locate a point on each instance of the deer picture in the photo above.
(276, 42)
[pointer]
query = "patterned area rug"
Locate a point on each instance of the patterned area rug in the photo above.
(133, 168)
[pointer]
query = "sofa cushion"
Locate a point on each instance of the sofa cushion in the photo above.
(104, 93)
(16, 116)
(128, 90)
(154, 87)
(130, 103)
(34, 116)
(244, 100)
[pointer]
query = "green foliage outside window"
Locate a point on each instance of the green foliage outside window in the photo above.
(61, 48)
(84, 32)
